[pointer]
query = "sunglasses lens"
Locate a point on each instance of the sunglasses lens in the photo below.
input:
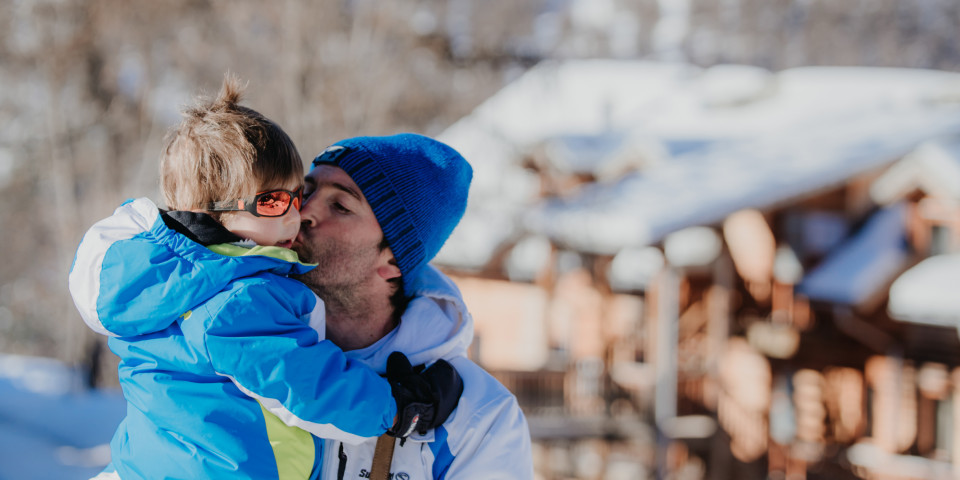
(273, 204)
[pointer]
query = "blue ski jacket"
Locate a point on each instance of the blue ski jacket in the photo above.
(220, 354)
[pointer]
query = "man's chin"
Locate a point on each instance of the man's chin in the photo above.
(305, 256)
(302, 253)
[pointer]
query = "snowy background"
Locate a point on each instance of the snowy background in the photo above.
(733, 88)
(51, 428)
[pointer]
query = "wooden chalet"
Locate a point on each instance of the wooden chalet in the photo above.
(688, 271)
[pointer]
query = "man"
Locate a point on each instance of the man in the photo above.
(377, 209)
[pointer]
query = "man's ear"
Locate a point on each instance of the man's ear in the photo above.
(388, 269)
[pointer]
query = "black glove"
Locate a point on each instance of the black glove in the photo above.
(425, 398)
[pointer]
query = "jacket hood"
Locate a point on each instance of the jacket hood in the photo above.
(435, 325)
(134, 275)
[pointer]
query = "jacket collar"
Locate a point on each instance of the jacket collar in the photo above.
(199, 227)
(435, 325)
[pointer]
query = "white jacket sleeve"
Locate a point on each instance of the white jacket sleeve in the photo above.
(493, 440)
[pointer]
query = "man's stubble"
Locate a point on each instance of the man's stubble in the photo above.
(342, 271)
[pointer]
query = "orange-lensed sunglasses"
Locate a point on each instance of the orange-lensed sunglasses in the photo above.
(272, 203)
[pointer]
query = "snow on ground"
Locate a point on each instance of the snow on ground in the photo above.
(51, 428)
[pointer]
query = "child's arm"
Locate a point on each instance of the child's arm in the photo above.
(254, 339)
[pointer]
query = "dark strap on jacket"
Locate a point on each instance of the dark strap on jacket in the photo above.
(382, 458)
(199, 227)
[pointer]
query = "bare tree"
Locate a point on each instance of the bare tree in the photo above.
(96, 84)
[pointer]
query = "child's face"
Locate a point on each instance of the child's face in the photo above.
(267, 231)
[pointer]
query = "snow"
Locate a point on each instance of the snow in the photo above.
(865, 264)
(671, 29)
(527, 259)
(704, 187)
(933, 167)
(732, 85)
(635, 268)
(787, 268)
(50, 427)
(583, 153)
(927, 293)
(692, 247)
(740, 137)
(595, 14)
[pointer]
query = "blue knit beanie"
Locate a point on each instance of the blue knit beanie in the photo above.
(416, 186)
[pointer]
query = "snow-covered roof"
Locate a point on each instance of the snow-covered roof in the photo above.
(933, 167)
(865, 264)
(603, 156)
(738, 137)
(927, 293)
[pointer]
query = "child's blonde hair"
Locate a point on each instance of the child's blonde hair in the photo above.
(222, 151)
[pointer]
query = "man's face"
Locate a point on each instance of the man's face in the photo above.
(338, 231)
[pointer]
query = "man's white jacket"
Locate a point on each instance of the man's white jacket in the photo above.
(486, 437)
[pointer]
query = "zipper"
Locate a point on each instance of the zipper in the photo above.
(343, 463)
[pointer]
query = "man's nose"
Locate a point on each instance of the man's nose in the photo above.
(312, 213)
(307, 218)
(307, 212)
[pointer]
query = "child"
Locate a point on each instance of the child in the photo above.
(219, 350)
